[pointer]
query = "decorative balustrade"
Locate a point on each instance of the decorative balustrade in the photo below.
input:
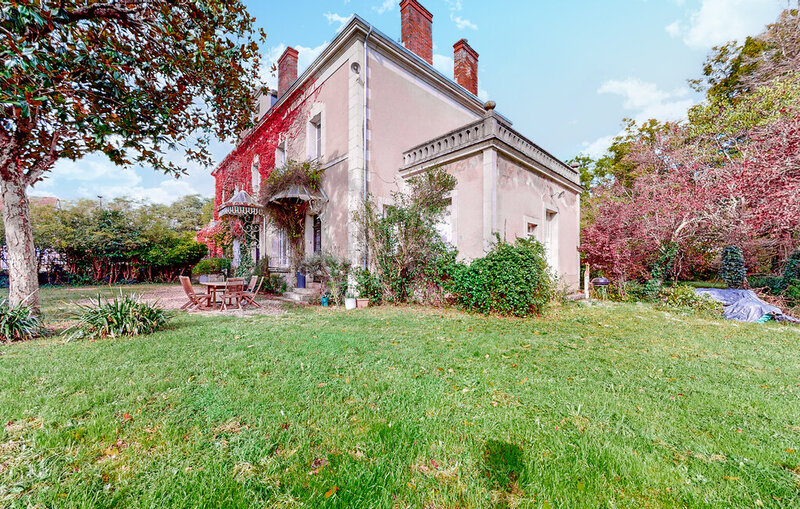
(490, 127)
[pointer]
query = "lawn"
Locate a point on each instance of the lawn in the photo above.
(612, 405)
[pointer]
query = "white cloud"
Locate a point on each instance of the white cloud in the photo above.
(674, 29)
(337, 18)
(305, 56)
(462, 23)
(597, 149)
(443, 64)
(89, 169)
(386, 6)
(720, 21)
(647, 101)
(166, 192)
(644, 101)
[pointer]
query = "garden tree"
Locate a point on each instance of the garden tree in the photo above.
(131, 79)
(733, 70)
(188, 213)
(732, 269)
(728, 176)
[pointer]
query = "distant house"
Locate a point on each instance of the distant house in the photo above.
(376, 112)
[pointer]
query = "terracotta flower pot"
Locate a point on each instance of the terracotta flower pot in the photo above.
(362, 303)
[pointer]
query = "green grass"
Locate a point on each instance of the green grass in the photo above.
(602, 406)
(58, 303)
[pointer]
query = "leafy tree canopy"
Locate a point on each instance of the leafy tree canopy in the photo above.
(130, 79)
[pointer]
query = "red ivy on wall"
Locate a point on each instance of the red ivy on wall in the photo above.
(286, 121)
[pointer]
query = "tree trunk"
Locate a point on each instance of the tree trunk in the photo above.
(23, 278)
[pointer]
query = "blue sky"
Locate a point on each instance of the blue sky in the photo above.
(565, 72)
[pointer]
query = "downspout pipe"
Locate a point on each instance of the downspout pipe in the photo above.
(366, 116)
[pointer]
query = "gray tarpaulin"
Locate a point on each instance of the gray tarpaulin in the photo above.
(744, 305)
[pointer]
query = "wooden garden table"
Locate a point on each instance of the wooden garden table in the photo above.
(213, 286)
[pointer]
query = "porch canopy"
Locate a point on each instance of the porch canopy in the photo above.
(300, 193)
(241, 204)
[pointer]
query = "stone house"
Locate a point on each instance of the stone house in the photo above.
(375, 112)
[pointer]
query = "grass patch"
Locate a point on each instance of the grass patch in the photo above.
(610, 405)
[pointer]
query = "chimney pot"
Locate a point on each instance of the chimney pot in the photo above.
(417, 29)
(287, 70)
(466, 66)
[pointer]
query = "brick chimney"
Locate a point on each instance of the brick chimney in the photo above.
(466, 66)
(287, 70)
(417, 28)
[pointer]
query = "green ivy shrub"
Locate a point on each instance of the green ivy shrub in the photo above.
(19, 323)
(211, 266)
(772, 284)
(684, 297)
(792, 270)
(792, 293)
(369, 286)
(512, 279)
(732, 269)
(126, 315)
(275, 285)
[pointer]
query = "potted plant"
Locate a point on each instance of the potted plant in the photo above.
(350, 300)
(362, 302)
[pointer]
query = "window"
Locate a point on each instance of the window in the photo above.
(317, 235)
(551, 239)
(280, 155)
(531, 230)
(280, 249)
(315, 137)
(255, 176)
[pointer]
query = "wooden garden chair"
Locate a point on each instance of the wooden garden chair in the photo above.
(249, 296)
(195, 301)
(233, 292)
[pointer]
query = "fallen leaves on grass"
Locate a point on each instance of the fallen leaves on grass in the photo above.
(317, 465)
(331, 492)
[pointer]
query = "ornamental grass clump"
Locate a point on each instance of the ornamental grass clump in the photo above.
(18, 323)
(126, 315)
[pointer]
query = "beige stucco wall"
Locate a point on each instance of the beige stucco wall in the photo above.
(525, 196)
(404, 111)
(521, 196)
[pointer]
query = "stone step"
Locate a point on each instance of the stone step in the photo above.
(297, 297)
(306, 291)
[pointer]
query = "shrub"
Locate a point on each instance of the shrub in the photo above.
(125, 315)
(211, 266)
(792, 270)
(275, 285)
(262, 267)
(792, 293)
(772, 284)
(19, 323)
(246, 266)
(684, 297)
(512, 279)
(330, 270)
(404, 241)
(732, 269)
(369, 286)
